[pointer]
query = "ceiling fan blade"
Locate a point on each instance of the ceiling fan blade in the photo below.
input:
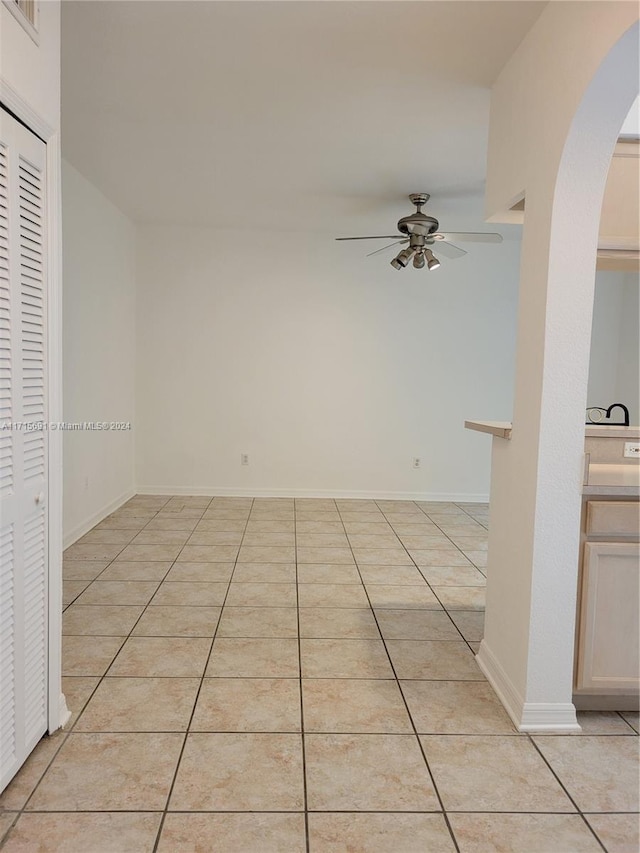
(468, 236)
(442, 247)
(384, 248)
(383, 237)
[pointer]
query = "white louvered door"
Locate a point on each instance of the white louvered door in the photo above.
(23, 449)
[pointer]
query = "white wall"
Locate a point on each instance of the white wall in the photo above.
(330, 369)
(99, 352)
(613, 365)
(33, 70)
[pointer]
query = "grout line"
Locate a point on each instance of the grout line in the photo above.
(197, 697)
(413, 726)
(302, 727)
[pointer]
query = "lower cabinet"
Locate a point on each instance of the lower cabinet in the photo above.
(608, 656)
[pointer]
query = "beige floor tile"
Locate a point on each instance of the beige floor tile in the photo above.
(368, 528)
(201, 572)
(80, 570)
(620, 833)
(461, 597)
(603, 723)
(208, 554)
(233, 833)
(248, 705)
(402, 597)
(262, 595)
(161, 537)
(357, 504)
(602, 774)
(138, 571)
(337, 832)
(454, 576)
(416, 625)
(317, 515)
(240, 772)
(271, 526)
(176, 657)
(109, 772)
(397, 506)
(128, 522)
(478, 558)
(6, 819)
(354, 705)
(425, 557)
(340, 556)
(71, 590)
(149, 552)
(367, 773)
(272, 515)
(456, 707)
(400, 575)
(322, 540)
(18, 791)
(189, 593)
(118, 592)
(344, 659)
(258, 622)
(303, 527)
(266, 554)
(171, 521)
(633, 718)
(212, 537)
(328, 573)
(362, 517)
(219, 525)
(269, 540)
(382, 557)
(332, 595)
(89, 655)
(92, 552)
(140, 705)
(523, 833)
(338, 623)
(77, 690)
(254, 658)
(109, 536)
(425, 541)
(322, 504)
(381, 541)
(110, 832)
(471, 543)
(416, 527)
(470, 623)
(105, 620)
(493, 773)
(178, 621)
(437, 660)
(227, 514)
(264, 573)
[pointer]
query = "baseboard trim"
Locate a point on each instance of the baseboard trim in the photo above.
(96, 518)
(549, 717)
(223, 491)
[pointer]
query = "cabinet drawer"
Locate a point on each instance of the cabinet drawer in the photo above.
(613, 518)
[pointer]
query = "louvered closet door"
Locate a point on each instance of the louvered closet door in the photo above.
(23, 451)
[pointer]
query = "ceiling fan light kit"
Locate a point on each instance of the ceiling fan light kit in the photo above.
(420, 231)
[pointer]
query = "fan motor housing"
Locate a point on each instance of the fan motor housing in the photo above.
(418, 223)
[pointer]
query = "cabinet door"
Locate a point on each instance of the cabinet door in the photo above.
(23, 447)
(608, 642)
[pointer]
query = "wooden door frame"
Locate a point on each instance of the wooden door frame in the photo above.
(57, 711)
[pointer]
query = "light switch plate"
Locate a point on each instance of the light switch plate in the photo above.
(632, 450)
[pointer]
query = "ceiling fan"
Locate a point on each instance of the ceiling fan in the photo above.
(421, 233)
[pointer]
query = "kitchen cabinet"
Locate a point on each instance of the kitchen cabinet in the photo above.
(608, 641)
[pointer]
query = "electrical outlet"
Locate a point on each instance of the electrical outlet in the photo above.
(244, 458)
(632, 450)
(416, 461)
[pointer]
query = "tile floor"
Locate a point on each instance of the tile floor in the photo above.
(258, 675)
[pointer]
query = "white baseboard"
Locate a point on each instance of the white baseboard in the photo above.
(549, 717)
(224, 491)
(80, 529)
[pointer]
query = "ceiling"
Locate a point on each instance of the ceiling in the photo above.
(285, 115)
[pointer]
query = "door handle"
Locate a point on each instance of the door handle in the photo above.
(39, 498)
